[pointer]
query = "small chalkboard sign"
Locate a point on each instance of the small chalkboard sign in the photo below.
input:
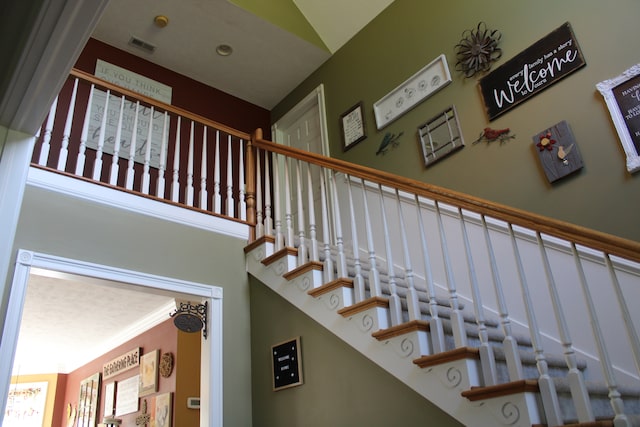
(622, 96)
(287, 364)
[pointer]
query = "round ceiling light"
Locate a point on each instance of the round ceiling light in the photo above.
(161, 21)
(224, 50)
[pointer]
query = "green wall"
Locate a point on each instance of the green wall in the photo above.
(60, 225)
(342, 388)
(411, 33)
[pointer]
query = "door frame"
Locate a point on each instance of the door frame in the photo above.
(211, 347)
(316, 97)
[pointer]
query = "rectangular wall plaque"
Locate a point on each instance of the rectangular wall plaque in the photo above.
(129, 360)
(430, 79)
(531, 71)
(287, 364)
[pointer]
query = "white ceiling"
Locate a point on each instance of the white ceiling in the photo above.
(267, 62)
(66, 323)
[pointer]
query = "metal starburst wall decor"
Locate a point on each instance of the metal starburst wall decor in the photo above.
(477, 50)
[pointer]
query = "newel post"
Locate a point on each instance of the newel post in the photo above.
(250, 194)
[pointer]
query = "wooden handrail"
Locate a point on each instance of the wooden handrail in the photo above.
(607, 243)
(167, 107)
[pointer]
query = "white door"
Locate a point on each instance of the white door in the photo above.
(304, 127)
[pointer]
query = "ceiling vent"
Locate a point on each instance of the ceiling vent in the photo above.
(141, 44)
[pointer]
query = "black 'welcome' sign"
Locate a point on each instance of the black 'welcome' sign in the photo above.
(536, 68)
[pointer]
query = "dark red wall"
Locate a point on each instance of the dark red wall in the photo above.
(163, 337)
(187, 93)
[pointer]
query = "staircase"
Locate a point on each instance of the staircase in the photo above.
(501, 324)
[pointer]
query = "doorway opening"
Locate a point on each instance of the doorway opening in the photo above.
(30, 263)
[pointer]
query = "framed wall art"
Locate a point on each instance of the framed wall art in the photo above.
(440, 136)
(622, 96)
(149, 373)
(430, 79)
(286, 363)
(88, 401)
(353, 126)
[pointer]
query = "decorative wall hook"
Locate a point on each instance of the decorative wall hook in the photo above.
(191, 318)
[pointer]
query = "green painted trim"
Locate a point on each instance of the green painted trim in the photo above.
(286, 15)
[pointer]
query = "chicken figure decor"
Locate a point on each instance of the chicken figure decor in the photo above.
(390, 140)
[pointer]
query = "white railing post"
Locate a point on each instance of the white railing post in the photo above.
(147, 156)
(277, 215)
(217, 198)
(413, 301)
(97, 164)
(312, 216)
(328, 262)
(175, 184)
(189, 186)
(46, 135)
(340, 257)
(457, 321)
(163, 158)
(375, 288)
(435, 323)
(358, 279)
(80, 161)
(487, 359)
(259, 211)
(302, 244)
(132, 150)
(395, 306)
(268, 222)
(230, 202)
(203, 195)
(241, 182)
(113, 173)
(66, 134)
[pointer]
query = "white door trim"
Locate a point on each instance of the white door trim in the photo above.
(211, 354)
(316, 97)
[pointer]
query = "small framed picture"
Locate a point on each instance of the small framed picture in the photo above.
(440, 136)
(353, 126)
(622, 96)
(149, 373)
(286, 363)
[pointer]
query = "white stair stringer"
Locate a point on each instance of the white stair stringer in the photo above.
(441, 384)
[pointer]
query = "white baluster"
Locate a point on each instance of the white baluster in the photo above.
(259, 212)
(113, 173)
(147, 155)
(576, 381)
(217, 198)
(510, 345)
(302, 244)
(175, 184)
(230, 201)
(241, 183)
(341, 259)
(204, 195)
(457, 322)
(328, 261)
(268, 221)
(66, 134)
(487, 359)
(435, 323)
(85, 134)
(547, 387)
(132, 150)
(97, 163)
(287, 206)
(312, 216)
(413, 301)
(358, 278)
(395, 307)
(163, 158)
(46, 136)
(375, 288)
(189, 188)
(277, 216)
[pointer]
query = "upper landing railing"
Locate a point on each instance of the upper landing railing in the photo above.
(109, 135)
